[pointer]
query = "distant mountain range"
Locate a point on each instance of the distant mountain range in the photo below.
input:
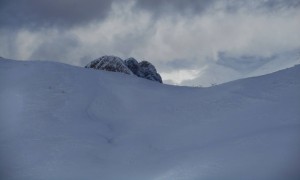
(228, 68)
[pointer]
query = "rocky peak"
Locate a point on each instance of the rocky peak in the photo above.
(131, 66)
(148, 71)
(109, 63)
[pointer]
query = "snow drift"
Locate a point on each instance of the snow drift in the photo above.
(63, 122)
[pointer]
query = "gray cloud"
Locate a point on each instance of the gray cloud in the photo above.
(159, 7)
(198, 7)
(59, 47)
(243, 63)
(47, 13)
(65, 13)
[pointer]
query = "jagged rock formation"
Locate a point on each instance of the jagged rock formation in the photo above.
(131, 66)
(109, 63)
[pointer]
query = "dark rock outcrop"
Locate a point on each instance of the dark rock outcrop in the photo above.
(143, 69)
(133, 65)
(149, 71)
(109, 63)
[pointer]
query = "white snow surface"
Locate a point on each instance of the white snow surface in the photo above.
(59, 122)
(229, 70)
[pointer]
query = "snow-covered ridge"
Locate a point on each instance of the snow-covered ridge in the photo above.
(64, 122)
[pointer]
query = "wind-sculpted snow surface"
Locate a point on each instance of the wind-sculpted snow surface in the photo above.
(70, 123)
(143, 69)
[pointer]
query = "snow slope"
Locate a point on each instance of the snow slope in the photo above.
(63, 122)
(229, 68)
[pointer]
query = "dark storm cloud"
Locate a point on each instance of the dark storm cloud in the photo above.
(275, 4)
(193, 7)
(61, 13)
(68, 13)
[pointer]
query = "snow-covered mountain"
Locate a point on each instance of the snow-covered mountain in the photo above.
(64, 122)
(228, 68)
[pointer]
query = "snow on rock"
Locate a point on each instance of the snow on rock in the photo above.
(109, 63)
(130, 66)
(63, 122)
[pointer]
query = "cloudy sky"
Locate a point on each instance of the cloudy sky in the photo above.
(191, 42)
